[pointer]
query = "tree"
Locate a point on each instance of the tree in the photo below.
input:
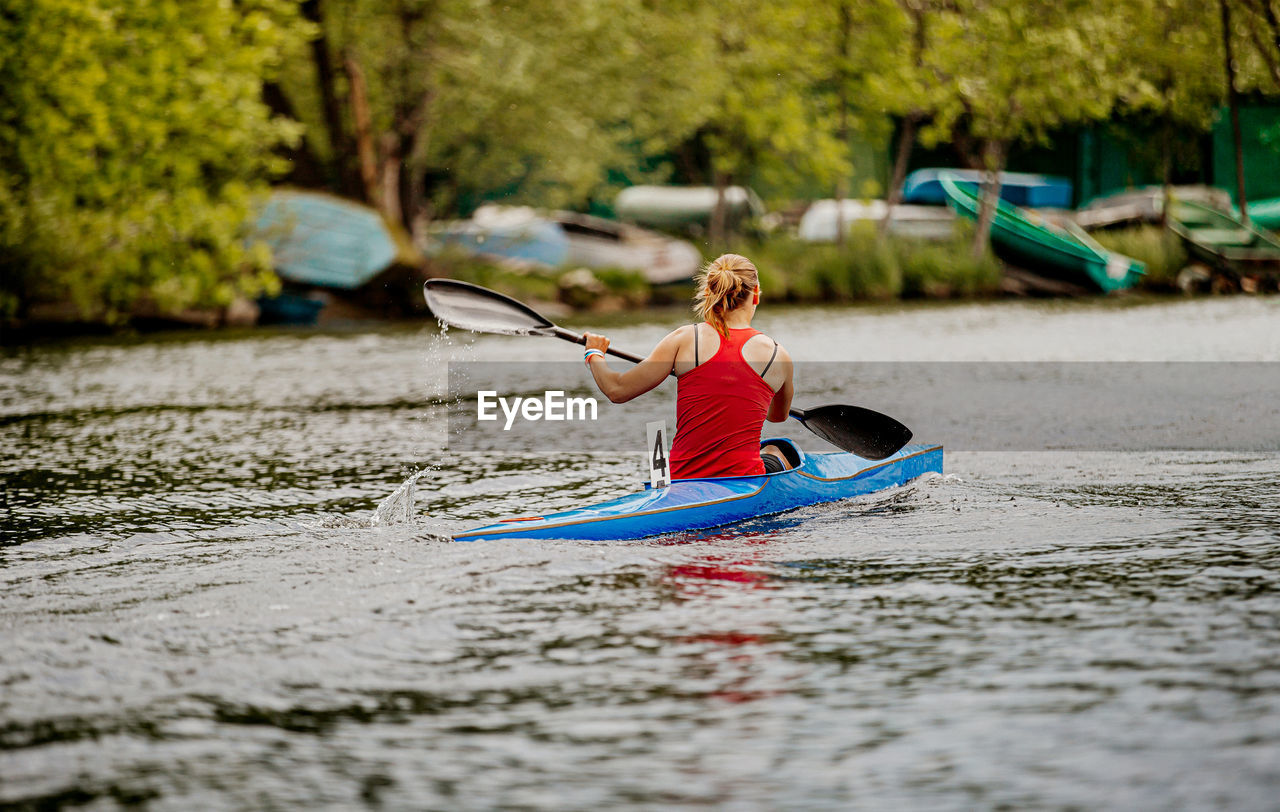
(1245, 67)
(901, 86)
(769, 117)
(133, 140)
(1174, 75)
(857, 56)
(1012, 71)
(540, 100)
(1260, 24)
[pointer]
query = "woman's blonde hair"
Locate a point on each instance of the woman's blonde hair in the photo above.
(726, 282)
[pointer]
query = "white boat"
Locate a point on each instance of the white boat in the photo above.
(564, 239)
(595, 242)
(683, 206)
(921, 222)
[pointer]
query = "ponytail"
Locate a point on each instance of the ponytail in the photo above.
(724, 285)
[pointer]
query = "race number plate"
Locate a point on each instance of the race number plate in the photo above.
(659, 454)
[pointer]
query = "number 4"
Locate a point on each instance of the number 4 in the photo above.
(659, 455)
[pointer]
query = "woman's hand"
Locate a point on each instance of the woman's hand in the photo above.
(596, 342)
(619, 387)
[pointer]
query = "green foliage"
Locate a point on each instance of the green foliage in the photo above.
(1175, 66)
(628, 284)
(542, 284)
(538, 99)
(132, 143)
(519, 283)
(1013, 70)
(1161, 250)
(767, 115)
(134, 139)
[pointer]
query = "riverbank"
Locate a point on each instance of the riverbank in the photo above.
(866, 268)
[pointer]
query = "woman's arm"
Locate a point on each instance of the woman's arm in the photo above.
(780, 406)
(620, 387)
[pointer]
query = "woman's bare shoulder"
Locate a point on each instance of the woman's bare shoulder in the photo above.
(761, 342)
(679, 335)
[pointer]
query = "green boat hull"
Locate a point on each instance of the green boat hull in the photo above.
(1223, 241)
(1265, 214)
(1023, 239)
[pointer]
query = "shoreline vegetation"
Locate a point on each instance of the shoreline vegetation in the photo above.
(867, 268)
(137, 150)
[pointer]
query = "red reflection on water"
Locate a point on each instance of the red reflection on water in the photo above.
(717, 571)
(714, 577)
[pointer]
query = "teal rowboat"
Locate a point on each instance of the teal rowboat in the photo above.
(1028, 241)
(1265, 213)
(697, 504)
(321, 240)
(1223, 241)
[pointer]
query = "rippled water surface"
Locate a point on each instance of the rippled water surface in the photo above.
(199, 609)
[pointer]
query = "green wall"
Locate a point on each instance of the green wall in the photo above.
(1260, 137)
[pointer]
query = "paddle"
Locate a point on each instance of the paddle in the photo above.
(868, 434)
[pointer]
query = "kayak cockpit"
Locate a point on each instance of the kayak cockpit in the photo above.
(789, 449)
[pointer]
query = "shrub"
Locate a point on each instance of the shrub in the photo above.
(1159, 248)
(868, 266)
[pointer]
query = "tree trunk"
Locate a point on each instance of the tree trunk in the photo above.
(993, 158)
(1168, 178)
(306, 168)
(1233, 102)
(364, 131)
(906, 140)
(392, 163)
(417, 213)
(326, 83)
(1166, 142)
(842, 193)
(719, 226)
(842, 184)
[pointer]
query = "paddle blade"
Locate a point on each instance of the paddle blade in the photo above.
(471, 307)
(868, 434)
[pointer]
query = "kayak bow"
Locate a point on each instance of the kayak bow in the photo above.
(697, 504)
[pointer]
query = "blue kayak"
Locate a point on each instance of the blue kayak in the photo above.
(696, 504)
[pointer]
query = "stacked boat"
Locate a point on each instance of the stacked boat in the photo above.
(1236, 251)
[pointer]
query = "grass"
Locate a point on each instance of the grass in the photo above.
(1160, 249)
(868, 267)
(531, 283)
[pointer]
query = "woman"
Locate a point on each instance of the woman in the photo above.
(730, 378)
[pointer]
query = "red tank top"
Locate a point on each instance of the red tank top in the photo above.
(721, 406)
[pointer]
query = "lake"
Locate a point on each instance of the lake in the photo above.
(204, 607)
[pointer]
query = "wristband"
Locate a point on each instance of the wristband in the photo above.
(589, 354)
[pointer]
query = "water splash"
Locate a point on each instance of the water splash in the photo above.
(400, 507)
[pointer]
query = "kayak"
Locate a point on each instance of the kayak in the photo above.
(698, 504)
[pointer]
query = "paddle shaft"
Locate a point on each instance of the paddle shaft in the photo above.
(579, 338)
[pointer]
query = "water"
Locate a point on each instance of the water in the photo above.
(204, 605)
